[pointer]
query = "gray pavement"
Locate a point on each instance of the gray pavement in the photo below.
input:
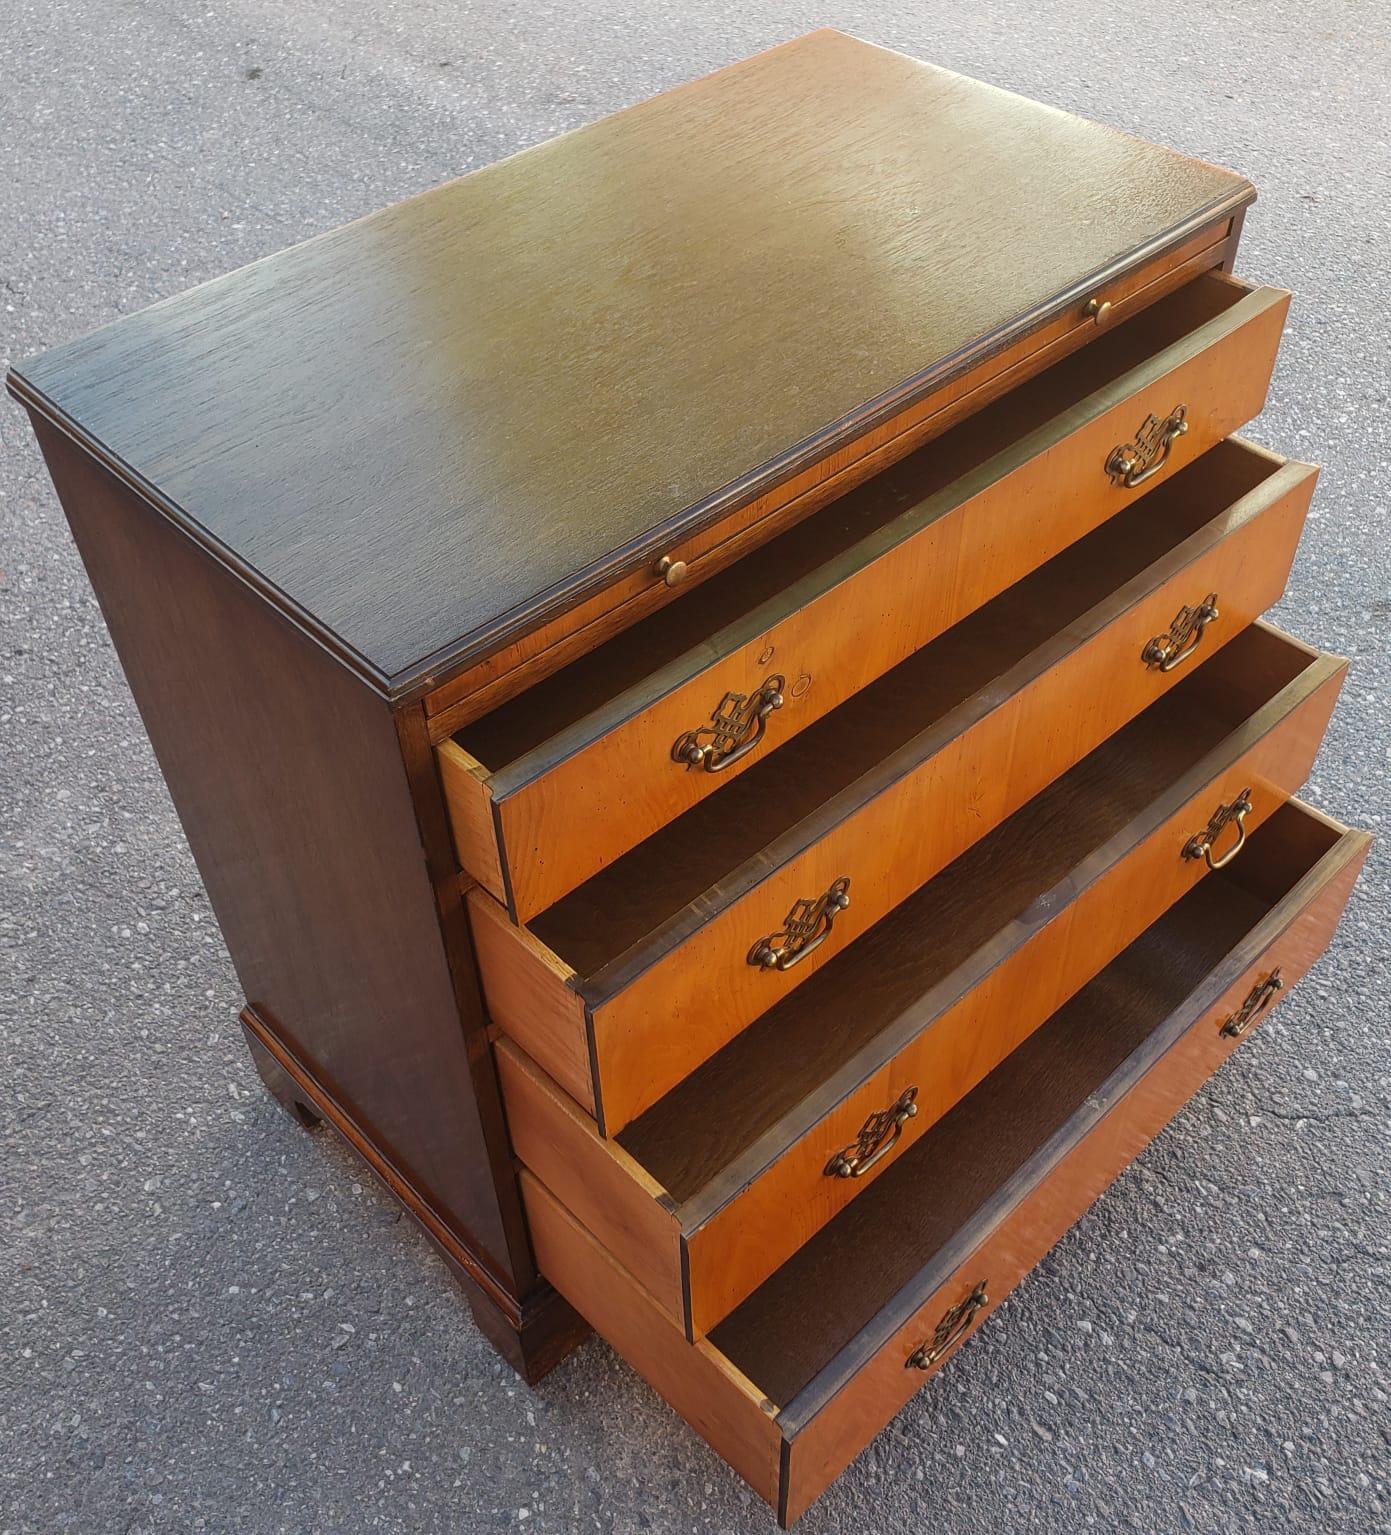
(211, 1321)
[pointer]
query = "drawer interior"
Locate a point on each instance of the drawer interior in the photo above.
(503, 738)
(633, 896)
(787, 1336)
(858, 1011)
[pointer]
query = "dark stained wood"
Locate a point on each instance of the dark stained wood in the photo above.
(478, 685)
(533, 1333)
(312, 857)
(433, 428)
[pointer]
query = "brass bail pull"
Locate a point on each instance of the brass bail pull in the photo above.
(878, 1137)
(950, 1330)
(1261, 995)
(1131, 463)
(806, 927)
(1166, 651)
(1201, 844)
(736, 728)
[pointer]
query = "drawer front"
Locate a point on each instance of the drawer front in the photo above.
(544, 649)
(652, 1023)
(542, 826)
(790, 1451)
(827, 1442)
(763, 1216)
(698, 1260)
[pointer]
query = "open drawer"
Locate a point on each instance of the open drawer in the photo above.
(722, 1180)
(801, 1376)
(553, 785)
(743, 897)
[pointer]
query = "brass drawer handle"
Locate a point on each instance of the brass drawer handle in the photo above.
(735, 729)
(1261, 995)
(878, 1137)
(1200, 845)
(1131, 463)
(950, 1330)
(1100, 310)
(1166, 651)
(804, 928)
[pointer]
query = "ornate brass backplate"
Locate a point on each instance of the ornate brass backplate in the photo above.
(877, 1138)
(950, 1330)
(1261, 995)
(1166, 651)
(1201, 844)
(736, 727)
(1131, 463)
(804, 928)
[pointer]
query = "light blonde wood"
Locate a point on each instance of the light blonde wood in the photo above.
(454, 700)
(774, 1214)
(529, 996)
(856, 1414)
(720, 1404)
(627, 1210)
(659, 1028)
(774, 1209)
(731, 1412)
(624, 786)
(464, 780)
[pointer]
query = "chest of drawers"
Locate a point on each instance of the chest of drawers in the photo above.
(715, 675)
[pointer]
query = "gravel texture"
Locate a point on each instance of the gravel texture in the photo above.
(212, 1321)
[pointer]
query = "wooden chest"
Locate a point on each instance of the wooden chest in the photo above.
(715, 675)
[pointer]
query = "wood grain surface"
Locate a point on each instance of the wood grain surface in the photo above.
(313, 860)
(434, 427)
(821, 1347)
(469, 690)
(973, 725)
(916, 550)
(711, 1189)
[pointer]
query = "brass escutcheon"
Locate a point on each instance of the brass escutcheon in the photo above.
(1200, 845)
(950, 1330)
(1261, 995)
(736, 727)
(1131, 463)
(804, 928)
(877, 1138)
(1166, 651)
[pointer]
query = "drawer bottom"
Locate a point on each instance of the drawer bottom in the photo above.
(803, 1374)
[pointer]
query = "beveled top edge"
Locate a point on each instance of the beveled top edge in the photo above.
(399, 680)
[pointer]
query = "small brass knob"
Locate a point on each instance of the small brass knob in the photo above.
(673, 572)
(1099, 310)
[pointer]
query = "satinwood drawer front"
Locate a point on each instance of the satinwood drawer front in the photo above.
(720, 1182)
(797, 1380)
(625, 986)
(555, 784)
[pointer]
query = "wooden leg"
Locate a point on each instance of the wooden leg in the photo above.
(279, 1082)
(534, 1333)
(550, 1328)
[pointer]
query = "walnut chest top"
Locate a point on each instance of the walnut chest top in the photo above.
(434, 429)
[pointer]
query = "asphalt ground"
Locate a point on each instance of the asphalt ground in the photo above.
(212, 1321)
